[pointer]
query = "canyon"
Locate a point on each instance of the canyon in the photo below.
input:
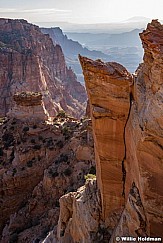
(71, 49)
(31, 62)
(124, 47)
(44, 151)
(126, 112)
(49, 155)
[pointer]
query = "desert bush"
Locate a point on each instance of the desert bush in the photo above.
(37, 146)
(25, 129)
(13, 123)
(14, 171)
(12, 156)
(13, 238)
(29, 163)
(61, 158)
(53, 173)
(40, 137)
(8, 140)
(1, 152)
(65, 131)
(67, 172)
(50, 142)
(59, 144)
(35, 221)
(61, 114)
(33, 140)
(12, 128)
(64, 157)
(92, 170)
(57, 203)
(89, 176)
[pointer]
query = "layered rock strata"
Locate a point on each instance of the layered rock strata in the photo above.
(38, 164)
(28, 106)
(127, 112)
(82, 209)
(144, 135)
(108, 87)
(31, 62)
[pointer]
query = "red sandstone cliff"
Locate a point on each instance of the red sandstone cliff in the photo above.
(39, 163)
(127, 118)
(29, 61)
(127, 199)
(144, 137)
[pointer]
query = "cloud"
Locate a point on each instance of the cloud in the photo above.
(7, 10)
(35, 11)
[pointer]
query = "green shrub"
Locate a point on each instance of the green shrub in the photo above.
(37, 146)
(29, 163)
(67, 172)
(12, 156)
(65, 131)
(59, 144)
(40, 137)
(53, 173)
(61, 114)
(12, 128)
(57, 203)
(1, 152)
(92, 170)
(25, 129)
(89, 176)
(61, 158)
(14, 171)
(13, 123)
(50, 142)
(64, 157)
(8, 140)
(13, 238)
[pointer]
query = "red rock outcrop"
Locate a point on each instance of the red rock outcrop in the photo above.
(127, 117)
(109, 95)
(28, 106)
(80, 216)
(30, 62)
(38, 164)
(144, 135)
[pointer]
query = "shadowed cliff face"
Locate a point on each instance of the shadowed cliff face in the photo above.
(31, 62)
(144, 133)
(39, 163)
(127, 117)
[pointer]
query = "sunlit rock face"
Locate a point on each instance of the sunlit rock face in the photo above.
(144, 134)
(28, 106)
(80, 209)
(30, 62)
(108, 86)
(127, 117)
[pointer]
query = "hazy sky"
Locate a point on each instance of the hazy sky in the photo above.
(80, 11)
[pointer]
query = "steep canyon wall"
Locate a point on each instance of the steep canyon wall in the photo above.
(31, 62)
(127, 116)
